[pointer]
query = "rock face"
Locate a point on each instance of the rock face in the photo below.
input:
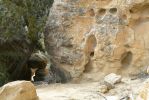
(18, 90)
(103, 89)
(99, 36)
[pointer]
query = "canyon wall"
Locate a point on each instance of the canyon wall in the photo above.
(91, 38)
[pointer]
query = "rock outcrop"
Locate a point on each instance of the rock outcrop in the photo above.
(99, 36)
(18, 90)
(111, 79)
(45, 71)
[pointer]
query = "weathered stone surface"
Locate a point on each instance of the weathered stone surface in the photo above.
(111, 79)
(144, 91)
(103, 89)
(18, 90)
(99, 36)
(113, 98)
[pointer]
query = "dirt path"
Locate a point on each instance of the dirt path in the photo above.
(88, 91)
(85, 91)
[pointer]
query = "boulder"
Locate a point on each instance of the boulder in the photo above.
(18, 90)
(38, 60)
(38, 65)
(43, 70)
(112, 79)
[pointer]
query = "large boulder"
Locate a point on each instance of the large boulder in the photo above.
(45, 71)
(111, 79)
(18, 90)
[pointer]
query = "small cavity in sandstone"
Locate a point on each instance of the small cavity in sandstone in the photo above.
(90, 45)
(101, 12)
(131, 11)
(90, 51)
(126, 59)
(113, 10)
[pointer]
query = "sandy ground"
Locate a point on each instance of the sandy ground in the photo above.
(89, 91)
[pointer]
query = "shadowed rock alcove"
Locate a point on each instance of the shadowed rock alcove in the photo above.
(101, 12)
(113, 10)
(90, 46)
(126, 59)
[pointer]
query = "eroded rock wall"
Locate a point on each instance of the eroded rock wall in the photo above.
(97, 37)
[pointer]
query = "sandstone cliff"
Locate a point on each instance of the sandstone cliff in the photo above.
(96, 37)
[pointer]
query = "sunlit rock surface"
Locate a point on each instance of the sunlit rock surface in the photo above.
(92, 38)
(18, 90)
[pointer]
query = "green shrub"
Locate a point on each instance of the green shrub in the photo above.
(21, 23)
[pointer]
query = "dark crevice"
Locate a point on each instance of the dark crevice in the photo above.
(92, 54)
(87, 67)
(91, 44)
(101, 12)
(126, 59)
(113, 10)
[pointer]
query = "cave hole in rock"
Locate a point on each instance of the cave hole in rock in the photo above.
(90, 51)
(132, 11)
(91, 45)
(101, 12)
(113, 10)
(126, 59)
